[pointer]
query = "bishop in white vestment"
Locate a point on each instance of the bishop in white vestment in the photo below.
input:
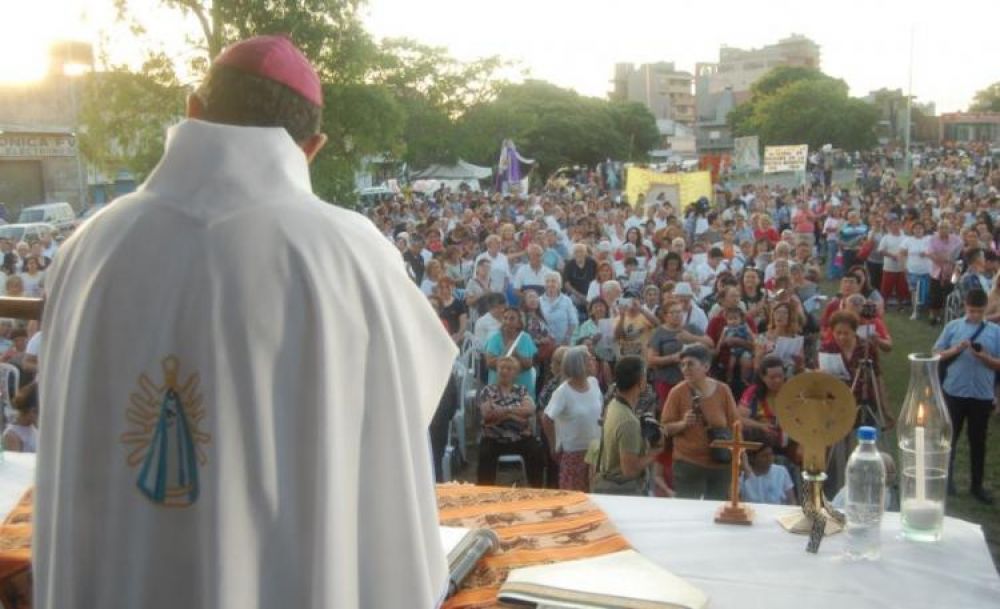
(237, 383)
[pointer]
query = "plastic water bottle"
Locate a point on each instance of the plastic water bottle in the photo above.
(865, 497)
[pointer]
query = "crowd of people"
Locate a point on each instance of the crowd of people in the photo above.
(23, 264)
(600, 322)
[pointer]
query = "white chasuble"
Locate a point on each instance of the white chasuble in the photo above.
(236, 384)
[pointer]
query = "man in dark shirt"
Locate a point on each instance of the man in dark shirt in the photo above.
(453, 311)
(414, 258)
(577, 275)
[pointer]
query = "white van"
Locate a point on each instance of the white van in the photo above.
(26, 232)
(59, 215)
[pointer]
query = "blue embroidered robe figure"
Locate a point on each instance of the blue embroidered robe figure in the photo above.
(168, 441)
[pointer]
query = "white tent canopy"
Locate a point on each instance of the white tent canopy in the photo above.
(459, 171)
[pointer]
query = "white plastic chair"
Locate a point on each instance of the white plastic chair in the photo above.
(953, 306)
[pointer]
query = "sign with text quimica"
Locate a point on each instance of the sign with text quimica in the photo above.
(19, 145)
(785, 158)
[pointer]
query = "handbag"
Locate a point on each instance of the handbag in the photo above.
(945, 363)
(718, 455)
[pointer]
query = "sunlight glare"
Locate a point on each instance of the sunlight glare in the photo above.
(31, 27)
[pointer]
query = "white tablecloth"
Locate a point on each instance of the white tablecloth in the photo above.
(762, 566)
(17, 474)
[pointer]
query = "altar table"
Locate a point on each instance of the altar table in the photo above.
(762, 566)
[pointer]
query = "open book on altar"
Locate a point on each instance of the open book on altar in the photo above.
(621, 580)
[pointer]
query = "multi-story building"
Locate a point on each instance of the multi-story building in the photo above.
(719, 87)
(970, 127)
(665, 90)
(738, 69)
(39, 156)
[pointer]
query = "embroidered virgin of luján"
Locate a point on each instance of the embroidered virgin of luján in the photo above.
(167, 440)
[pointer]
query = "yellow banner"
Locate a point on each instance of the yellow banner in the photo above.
(689, 186)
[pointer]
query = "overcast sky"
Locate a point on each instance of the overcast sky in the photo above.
(575, 43)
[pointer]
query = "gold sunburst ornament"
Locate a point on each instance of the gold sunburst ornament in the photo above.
(164, 439)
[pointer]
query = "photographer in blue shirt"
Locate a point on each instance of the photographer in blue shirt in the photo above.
(971, 346)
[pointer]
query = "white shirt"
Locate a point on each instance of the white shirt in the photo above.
(635, 222)
(256, 402)
(527, 276)
(891, 244)
(697, 318)
(915, 263)
(486, 326)
(772, 487)
(575, 415)
(34, 345)
(499, 270)
(706, 277)
(27, 434)
(33, 285)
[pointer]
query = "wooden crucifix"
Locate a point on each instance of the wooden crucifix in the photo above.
(735, 512)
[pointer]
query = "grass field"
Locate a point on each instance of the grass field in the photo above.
(918, 337)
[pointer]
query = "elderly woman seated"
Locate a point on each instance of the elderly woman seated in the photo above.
(508, 411)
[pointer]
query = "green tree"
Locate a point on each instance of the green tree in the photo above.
(360, 120)
(987, 100)
(637, 126)
(805, 106)
(329, 32)
(125, 115)
(398, 98)
(771, 82)
(434, 89)
(555, 126)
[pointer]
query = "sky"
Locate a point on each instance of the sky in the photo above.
(575, 43)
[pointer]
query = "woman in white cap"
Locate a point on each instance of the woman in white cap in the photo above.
(693, 315)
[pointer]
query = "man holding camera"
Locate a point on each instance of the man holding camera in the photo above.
(623, 453)
(971, 348)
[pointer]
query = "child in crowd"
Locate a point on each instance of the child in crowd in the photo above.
(763, 481)
(740, 358)
(21, 435)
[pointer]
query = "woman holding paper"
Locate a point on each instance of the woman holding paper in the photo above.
(782, 339)
(842, 356)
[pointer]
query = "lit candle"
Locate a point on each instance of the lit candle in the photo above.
(919, 449)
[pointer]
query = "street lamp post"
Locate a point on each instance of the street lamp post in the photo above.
(908, 159)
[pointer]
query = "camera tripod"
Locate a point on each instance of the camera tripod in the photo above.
(871, 410)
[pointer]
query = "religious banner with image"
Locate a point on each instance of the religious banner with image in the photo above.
(679, 189)
(785, 158)
(746, 153)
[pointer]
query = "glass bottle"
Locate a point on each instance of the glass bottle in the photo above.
(924, 434)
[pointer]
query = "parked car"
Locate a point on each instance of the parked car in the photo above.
(59, 215)
(26, 232)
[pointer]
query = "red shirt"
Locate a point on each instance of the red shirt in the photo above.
(770, 234)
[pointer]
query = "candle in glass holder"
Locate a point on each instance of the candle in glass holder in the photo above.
(924, 436)
(920, 455)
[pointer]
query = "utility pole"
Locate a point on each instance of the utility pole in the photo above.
(908, 159)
